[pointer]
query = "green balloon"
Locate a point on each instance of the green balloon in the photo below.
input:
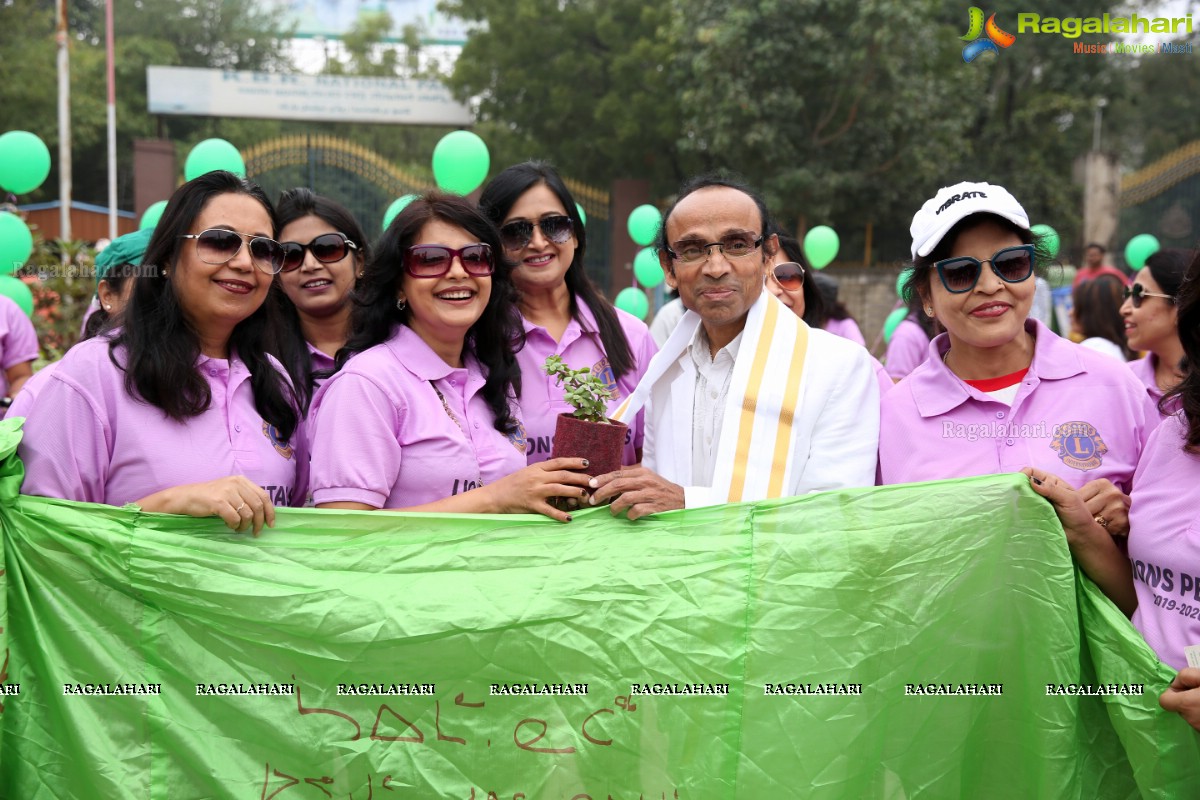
(211, 155)
(17, 291)
(892, 322)
(902, 279)
(634, 301)
(24, 162)
(398, 205)
(1139, 249)
(152, 215)
(646, 269)
(582, 214)
(460, 162)
(16, 243)
(1048, 238)
(821, 246)
(644, 222)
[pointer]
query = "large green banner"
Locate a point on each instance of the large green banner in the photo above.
(904, 642)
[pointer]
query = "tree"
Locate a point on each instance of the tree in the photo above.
(197, 33)
(585, 84)
(837, 109)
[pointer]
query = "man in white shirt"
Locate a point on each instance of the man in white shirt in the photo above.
(743, 402)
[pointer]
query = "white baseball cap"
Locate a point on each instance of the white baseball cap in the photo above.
(954, 203)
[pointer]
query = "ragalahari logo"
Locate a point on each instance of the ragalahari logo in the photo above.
(994, 40)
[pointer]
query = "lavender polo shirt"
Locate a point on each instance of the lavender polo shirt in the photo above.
(907, 349)
(18, 339)
(1143, 369)
(885, 381)
(580, 346)
(88, 440)
(381, 435)
(1078, 414)
(23, 403)
(1164, 543)
(847, 329)
(320, 362)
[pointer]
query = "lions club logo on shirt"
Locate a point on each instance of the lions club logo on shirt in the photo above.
(279, 443)
(519, 439)
(1079, 445)
(604, 371)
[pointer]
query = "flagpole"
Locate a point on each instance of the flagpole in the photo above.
(64, 124)
(112, 121)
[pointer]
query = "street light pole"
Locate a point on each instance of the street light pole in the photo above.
(64, 123)
(112, 122)
(1100, 104)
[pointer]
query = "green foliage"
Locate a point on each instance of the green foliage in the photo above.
(582, 83)
(582, 389)
(61, 275)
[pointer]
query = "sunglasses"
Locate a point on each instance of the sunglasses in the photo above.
(734, 245)
(1011, 265)
(219, 246)
(789, 275)
(517, 234)
(1137, 292)
(326, 248)
(434, 260)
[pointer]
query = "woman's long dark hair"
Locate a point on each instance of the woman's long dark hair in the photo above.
(498, 198)
(495, 337)
(1188, 390)
(160, 346)
(289, 348)
(1097, 309)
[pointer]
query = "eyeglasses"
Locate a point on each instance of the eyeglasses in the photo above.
(734, 245)
(518, 233)
(219, 246)
(1137, 292)
(326, 248)
(1011, 265)
(789, 275)
(434, 260)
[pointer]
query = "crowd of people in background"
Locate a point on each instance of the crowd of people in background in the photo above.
(247, 355)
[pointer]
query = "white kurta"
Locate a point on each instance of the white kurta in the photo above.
(834, 427)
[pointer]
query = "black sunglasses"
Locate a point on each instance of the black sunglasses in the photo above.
(326, 248)
(1137, 292)
(435, 260)
(220, 245)
(518, 233)
(789, 275)
(1011, 265)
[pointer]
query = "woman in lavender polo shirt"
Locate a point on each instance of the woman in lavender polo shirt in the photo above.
(421, 417)
(181, 410)
(1151, 320)
(325, 250)
(562, 311)
(999, 391)
(1159, 581)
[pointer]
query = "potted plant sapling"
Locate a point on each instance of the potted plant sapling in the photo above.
(587, 432)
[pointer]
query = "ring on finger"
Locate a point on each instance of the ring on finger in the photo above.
(238, 510)
(1101, 521)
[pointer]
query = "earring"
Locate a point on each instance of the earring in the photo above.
(929, 311)
(107, 307)
(401, 304)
